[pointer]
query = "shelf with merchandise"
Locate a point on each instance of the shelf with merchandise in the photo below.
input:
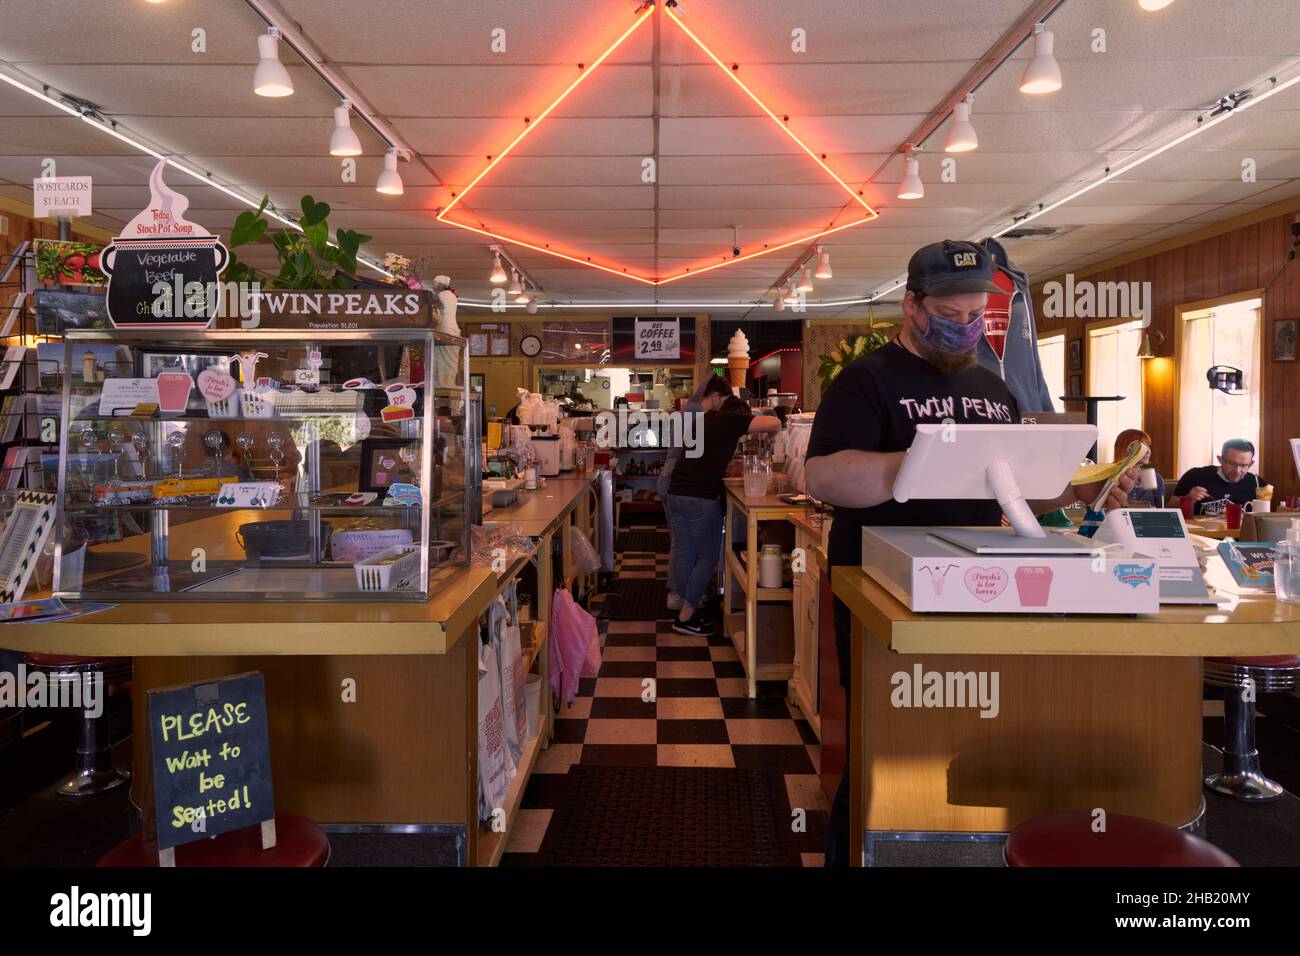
(172, 486)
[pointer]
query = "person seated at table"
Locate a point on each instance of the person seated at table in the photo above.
(1210, 488)
(1125, 438)
(695, 503)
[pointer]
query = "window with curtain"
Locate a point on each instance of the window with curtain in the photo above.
(1115, 369)
(1051, 355)
(1225, 335)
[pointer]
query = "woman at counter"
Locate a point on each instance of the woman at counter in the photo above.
(708, 398)
(695, 502)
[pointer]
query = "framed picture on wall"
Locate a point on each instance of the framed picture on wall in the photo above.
(1076, 355)
(1284, 339)
(1076, 385)
(500, 343)
(478, 344)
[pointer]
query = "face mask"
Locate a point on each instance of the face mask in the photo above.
(952, 337)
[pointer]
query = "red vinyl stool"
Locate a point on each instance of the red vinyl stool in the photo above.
(1240, 777)
(1066, 838)
(298, 842)
(95, 772)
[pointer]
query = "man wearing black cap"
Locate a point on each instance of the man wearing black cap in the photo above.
(867, 420)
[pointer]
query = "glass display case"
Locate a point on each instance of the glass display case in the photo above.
(259, 464)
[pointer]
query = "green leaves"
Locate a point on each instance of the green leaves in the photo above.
(848, 352)
(307, 259)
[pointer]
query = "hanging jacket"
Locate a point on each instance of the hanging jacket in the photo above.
(1019, 366)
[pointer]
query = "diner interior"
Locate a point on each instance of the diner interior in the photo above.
(601, 212)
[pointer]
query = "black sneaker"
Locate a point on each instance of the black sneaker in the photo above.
(695, 626)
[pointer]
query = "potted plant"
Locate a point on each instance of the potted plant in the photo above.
(838, 359)
(308, 259)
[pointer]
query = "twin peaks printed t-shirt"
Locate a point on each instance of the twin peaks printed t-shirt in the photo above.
(875, 405)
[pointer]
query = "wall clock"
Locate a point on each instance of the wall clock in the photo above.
(530, 345)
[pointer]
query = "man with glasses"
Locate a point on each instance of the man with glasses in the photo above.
(1211, 488)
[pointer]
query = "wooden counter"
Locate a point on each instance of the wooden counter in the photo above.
(1177, 631)
(540, 512)
(1092, 711)
(185, 629)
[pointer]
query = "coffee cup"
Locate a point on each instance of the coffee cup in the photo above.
(1260, 506)
(1149, 480)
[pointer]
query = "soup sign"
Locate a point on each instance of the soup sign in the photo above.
(162, 268)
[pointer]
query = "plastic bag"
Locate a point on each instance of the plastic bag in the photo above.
(495, 768)
(583, 557)
(507, 646)
(509, 539)
(574, 646)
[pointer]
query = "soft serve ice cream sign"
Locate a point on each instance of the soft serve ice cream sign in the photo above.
(162, 266)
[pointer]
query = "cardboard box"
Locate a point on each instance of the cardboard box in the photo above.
(928, 574)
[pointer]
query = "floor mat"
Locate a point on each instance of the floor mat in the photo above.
(671, 816)
(644, 539)
(636, 599)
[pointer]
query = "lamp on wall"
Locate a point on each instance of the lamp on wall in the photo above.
(1145, 349)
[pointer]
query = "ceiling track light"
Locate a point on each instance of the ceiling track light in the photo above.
(498, 275)
(271, 78)
(778, 302)
(961, 136)
(344, 141)
(524, 296)
(515, 287)
(823, 264)
(805, 283)
(911, 187)
(1043, 74)
(390, 182)
(1152, 5)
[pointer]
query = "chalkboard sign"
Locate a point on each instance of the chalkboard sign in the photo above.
(211, 758)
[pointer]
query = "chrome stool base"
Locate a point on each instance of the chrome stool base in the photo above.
(88, 783)
(1244, 783)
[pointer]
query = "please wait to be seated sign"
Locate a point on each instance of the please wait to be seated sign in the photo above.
(211, 758)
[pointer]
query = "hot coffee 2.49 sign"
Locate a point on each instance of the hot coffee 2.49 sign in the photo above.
(161, 267)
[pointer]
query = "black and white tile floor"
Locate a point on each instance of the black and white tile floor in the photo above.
(700, 717)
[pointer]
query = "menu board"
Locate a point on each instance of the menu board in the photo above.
(211, 758)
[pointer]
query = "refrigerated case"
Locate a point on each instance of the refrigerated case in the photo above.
(260, 464)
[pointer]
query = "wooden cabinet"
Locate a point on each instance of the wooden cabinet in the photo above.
(805, 690)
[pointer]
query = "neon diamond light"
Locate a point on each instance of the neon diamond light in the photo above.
(641, 17)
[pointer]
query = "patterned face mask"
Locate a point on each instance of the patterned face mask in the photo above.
(952, 337)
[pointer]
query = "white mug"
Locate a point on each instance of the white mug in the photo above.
(1148, 480)
(1259, 506)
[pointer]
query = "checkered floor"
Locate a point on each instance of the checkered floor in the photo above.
(700, 718)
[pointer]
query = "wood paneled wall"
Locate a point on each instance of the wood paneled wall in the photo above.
(1252, 256)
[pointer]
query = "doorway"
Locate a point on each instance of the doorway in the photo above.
(501, 379)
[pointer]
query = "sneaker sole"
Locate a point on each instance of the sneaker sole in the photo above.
(690, 632)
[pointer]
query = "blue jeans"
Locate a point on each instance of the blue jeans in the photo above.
(674, 585)
(697, 537)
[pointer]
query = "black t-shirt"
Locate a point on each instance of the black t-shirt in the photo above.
(701, 477)
(875, 405)
(1220, 491)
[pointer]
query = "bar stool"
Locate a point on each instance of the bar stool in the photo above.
(298, 843)
(1066, 838)
(11, 727)
(1240, 777)
(95, 772)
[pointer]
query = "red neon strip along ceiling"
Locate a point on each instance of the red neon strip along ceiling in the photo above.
(705, 266)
